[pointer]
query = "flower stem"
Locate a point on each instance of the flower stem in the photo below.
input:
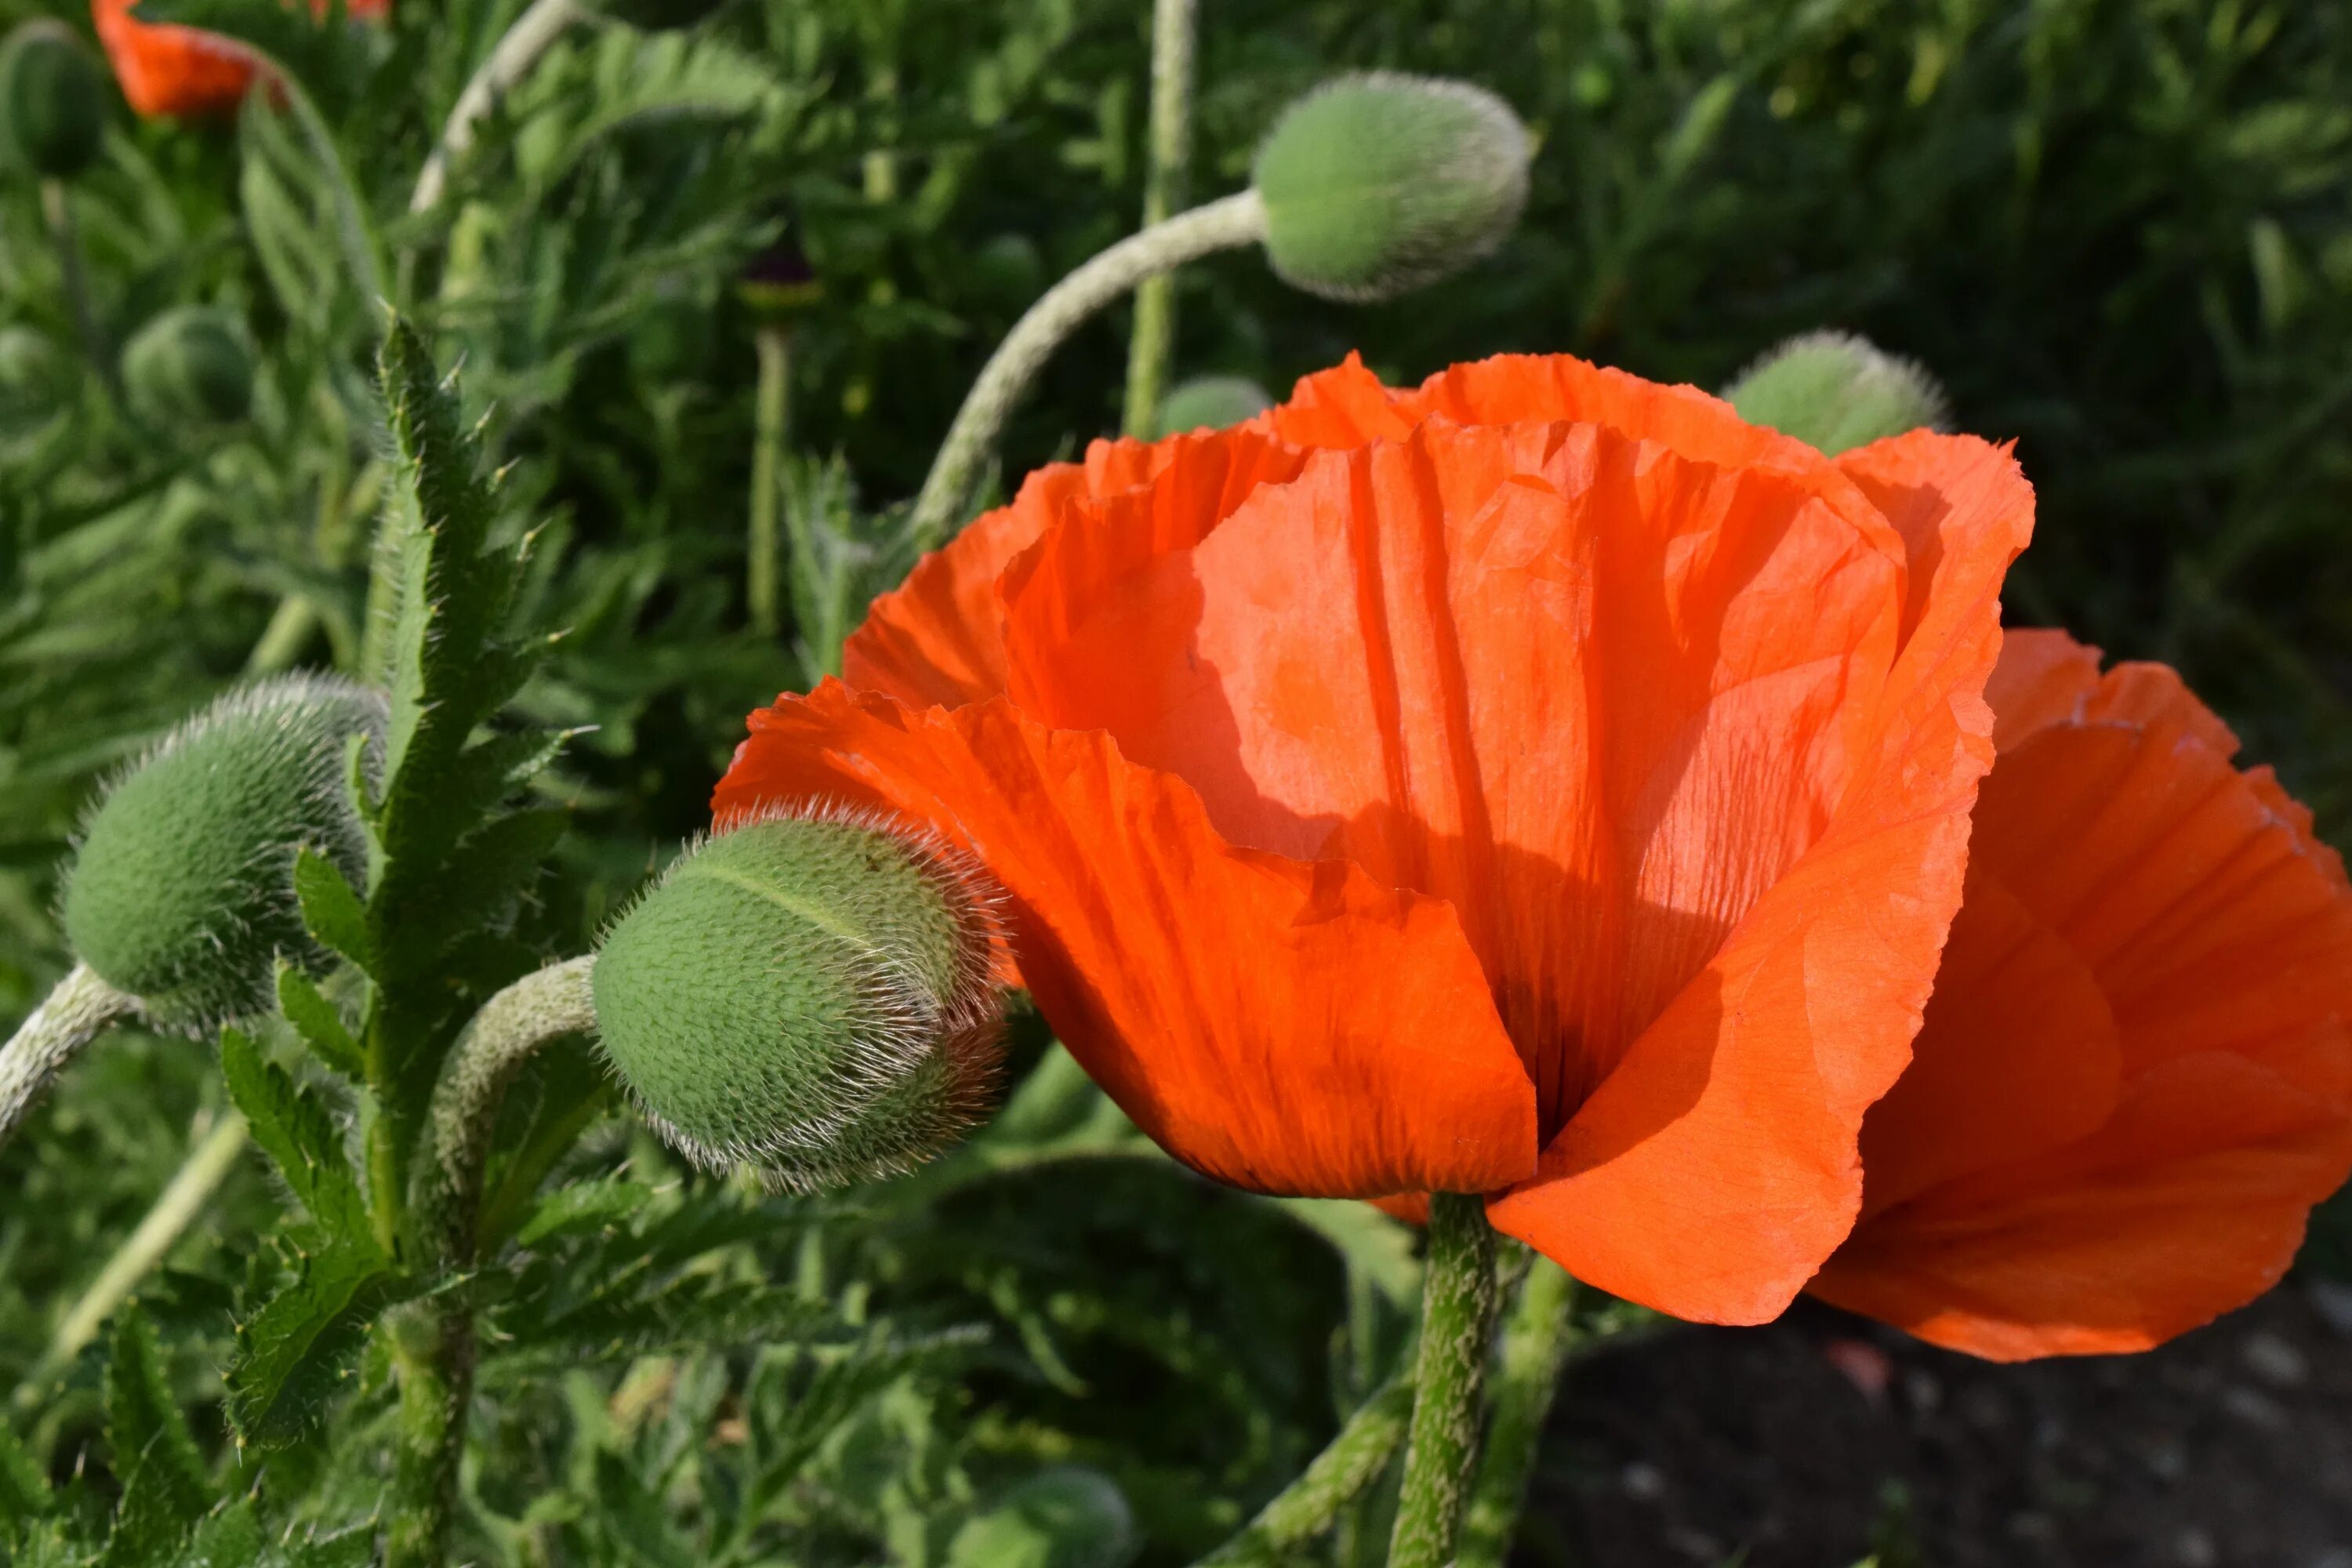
(1536, 1338)
(56, 208)
(1457, 1311)
(772, 424)
(1309, 1506)
(1173, 25)
(1222, 224)
(433, 1340)
(75, 1013)
(533, 33)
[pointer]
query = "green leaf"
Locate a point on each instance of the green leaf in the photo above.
(295, 1354)
(24, 1492)
(228, 1538)
(331, 909)
(299, 1133)
(165, 1488)
(320, 1023)
(584, 1206)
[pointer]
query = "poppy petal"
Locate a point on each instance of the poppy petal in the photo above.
(1280, 1026)
(2189, 1204)
(166, 69)
(1719, 1158)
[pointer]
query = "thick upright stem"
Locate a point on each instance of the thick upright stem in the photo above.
(1308, 1508)
(532, 35)
(1173, 26)
(433, 1342)
(772, 419)
(1222, 224)
(1457, 1314)
(1536, 1338)
(75, 1013)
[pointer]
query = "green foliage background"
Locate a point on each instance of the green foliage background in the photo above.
(2121, 230)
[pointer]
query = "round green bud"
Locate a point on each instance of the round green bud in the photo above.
(52, 100)
(182, 890)
(189, 366)
(36, 380)
(811, 995)
(1211, 403)
(1067, 1517)
(1376, 183)
(1838, 391)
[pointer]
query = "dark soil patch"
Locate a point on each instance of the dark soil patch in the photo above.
(1819, 1439)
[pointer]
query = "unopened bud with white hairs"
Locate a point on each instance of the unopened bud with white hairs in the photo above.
(1838, 391)
(813, 995)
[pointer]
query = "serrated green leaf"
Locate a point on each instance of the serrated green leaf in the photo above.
(584, 1206)
(320, 1023)
(295, 1126)
(25, 1493)
(351, 1547)
(331, 909)
(228, 1537)
(294, 1354)
(165, 1488)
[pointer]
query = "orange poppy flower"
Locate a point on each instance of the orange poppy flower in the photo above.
(2134, 1077)
(165, 69)
(1539, 784)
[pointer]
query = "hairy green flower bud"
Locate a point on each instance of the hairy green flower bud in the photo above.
(1211, 403)
(1066, 1516)
(182, 890)
(1837, 391)
(1380, 183)
(813, 995)
(189, 366)
(36, 380)
(52, 100)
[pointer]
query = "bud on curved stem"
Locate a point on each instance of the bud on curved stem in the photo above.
(78, 1011)
(1223, 225)
(1838, 391)
(1457, 1314)
(52, 99)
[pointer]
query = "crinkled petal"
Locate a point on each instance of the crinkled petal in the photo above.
(1282, 1025)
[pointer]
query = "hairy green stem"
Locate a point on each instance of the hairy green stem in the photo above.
(1222, 224)
(76, 1013)
(533, 33)
(772, 424)
(1457, 1313)
(433, 1340)
(1536, 1338)
(1309, 1506)
(175, 1208)
(56, 208)
(1173, 26)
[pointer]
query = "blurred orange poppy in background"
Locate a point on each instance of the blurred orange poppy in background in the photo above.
(165, 69)
(1539, 784)
(2134, 1079)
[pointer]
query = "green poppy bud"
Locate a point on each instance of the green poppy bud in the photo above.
(52, 100)
(1067, 1517)
(1211, 403)
(182, 890)
(813, 995)
(1838, 391)
(189, 366)
(1376, 183)
(36, 380)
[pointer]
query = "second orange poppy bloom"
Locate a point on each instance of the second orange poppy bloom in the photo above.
(165, 69)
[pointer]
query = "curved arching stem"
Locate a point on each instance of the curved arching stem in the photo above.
(1222, 224)
(78, 1011)
(533, 33)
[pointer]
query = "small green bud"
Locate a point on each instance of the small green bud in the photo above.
(1378, 183)
(1211, 403)
(1837, 391)
(52, 100)
(36, 380)
(182, 891)
(189, 366)
(813, 995)
(1067, 1517)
